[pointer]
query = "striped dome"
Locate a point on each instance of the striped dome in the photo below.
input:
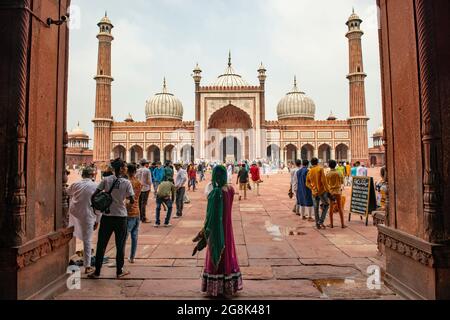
(164, 105)
(296, 105)
(230, 78)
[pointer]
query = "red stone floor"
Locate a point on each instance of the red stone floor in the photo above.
(281, 256)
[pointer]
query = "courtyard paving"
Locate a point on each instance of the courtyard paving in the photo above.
(281, 256)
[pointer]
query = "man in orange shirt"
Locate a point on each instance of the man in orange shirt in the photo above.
(317, 182)
(335, 180)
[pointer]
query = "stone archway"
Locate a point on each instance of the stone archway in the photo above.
(230, 117)
(230, 149)
(273, 153)
(169, 153)
(291, 153)
(307, 152)
(325, 153)
(136, 154)
(187, 153)
(342, 153)
(119, 152)
(153, 153)
(373, 161)
(418, 225)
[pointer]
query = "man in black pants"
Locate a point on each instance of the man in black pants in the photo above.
(114, 221)
(145, 177)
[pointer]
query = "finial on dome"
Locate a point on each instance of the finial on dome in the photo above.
(353, 10)
(129, 118)
(331, 117)
(78, 125)
(164, 85)
(229, 58)
(295, 81)
(261, 67)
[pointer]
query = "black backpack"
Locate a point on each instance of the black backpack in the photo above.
(103, 200)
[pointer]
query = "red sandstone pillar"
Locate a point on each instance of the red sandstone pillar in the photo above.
(34, 240)
(415, 56)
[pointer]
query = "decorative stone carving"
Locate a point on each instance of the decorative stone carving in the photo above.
(136, 136)
(431, 137)
(342, 135)
(324, 135)
(119, 137)
(290, 135)
(16, 196)
(410, 251)
(170, 136)
(307, 135)
(42, 247)
(153, 136)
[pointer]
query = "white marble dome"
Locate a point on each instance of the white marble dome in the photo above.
(230, 78)
(77, 132)
(379, 132)
(164, 105)
(296, 105)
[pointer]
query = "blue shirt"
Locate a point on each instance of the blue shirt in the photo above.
(158, 174)
(354, 171)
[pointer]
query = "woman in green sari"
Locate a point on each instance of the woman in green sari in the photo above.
(221, 275)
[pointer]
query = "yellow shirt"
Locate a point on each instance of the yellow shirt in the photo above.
(335, 181)
(133, 209)
(348, 170)
(316, 181)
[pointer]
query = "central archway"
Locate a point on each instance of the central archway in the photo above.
(230, 117)
(230, 149)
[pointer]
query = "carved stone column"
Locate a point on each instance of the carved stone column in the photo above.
(416, 102)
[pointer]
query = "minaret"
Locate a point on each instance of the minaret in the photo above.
(197, 76)
(262, 97)
(358, 116)
(103, 118)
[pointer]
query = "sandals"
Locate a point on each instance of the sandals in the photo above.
(123, 274)
(89, 270)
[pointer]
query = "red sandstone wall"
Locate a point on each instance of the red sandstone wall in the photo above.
(46, 117)
(402, 121)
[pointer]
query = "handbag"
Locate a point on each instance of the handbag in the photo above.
(290, 193)
(201, 241)
(103, 200)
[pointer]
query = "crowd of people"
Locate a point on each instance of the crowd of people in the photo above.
(130, 186)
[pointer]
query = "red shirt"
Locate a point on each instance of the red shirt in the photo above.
(192, 174)
(254, 171)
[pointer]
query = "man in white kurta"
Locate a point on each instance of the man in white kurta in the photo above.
(81, 214)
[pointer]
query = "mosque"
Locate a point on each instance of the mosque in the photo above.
(230, 122)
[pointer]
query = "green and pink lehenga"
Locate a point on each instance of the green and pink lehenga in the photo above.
(221, 275)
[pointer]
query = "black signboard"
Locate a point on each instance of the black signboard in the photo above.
(363, 197)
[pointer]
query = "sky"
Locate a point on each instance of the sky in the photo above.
(166, 38)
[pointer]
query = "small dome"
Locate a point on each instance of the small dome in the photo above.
(332, 117)
(129, 118)
(105, 20)
(354, 16)
(78, 133)
(230, 78)
(379, 132)
(296, 105)
(164, 105)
